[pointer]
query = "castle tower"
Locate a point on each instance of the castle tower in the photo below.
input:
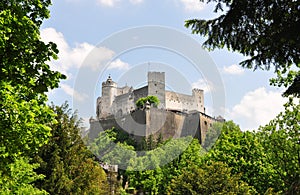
(109, 91)
(156, 87)
(198, 95)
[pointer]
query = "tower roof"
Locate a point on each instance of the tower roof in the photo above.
(109, 81)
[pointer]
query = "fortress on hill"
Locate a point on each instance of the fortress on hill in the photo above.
(175, 116)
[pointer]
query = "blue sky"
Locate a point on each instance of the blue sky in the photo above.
(82, 30)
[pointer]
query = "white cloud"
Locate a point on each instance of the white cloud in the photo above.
(118, 64)
(113, 3)
(136, 1)
(257, 108)
(98, 57)
(193, 5)
(82, 55)
(107, 3)
(73, 93)
(233, 69)
(50, 34)
(205, 85)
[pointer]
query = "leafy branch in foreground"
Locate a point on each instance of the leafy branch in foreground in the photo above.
(281, 140)
(264, 30)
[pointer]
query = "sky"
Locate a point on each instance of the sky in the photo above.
(127, 38)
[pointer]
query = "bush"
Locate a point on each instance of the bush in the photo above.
(153, 100)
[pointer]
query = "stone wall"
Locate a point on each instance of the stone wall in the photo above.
(120, 101)
(154, 121)
(172, 124)
(133, 123)
(123, 104)
(141, 92)
(205, 123)
(185, 103)
(124, 90)
(177, 115)
(198, 95)
(109, 91)
(156, 87)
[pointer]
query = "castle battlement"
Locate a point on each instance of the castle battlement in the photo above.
(119, 101)
(196, 90)
(177, 114)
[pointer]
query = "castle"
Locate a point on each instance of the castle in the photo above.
(176, 115)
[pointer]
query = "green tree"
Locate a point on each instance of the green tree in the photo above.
(24, 129)
(23, 55)
(264, 30)
(154, 171)
(69, 167)
(106, 147)
(120, 136)
(25, 118)
(192, 155)
(243, 152)
(214, 178)
(212, 135)
(25, 124)
(112, 146)
(150, 142)
(21, 178)
(281, 138)
(153, 100)
(159, 140)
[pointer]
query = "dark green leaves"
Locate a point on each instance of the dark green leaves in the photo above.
(25, 76)
(281, 139)
(214, 178)
(153, 100)
(66, 162)
(266, 31)
(23, 56)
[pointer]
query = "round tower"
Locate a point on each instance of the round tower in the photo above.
(109, 91)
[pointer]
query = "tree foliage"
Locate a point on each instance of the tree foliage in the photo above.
(23, 55)
(294, 88)
(25, 76)
(267, 32)
(281, 138)
(243, 152)
(212, 135)
(153, 100)
(214, 178)
(69, 167)
(121, 136)
(154, 171)
(21, 178)
(264, 30)
(24, 123)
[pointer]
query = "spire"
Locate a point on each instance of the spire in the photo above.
(109, 80)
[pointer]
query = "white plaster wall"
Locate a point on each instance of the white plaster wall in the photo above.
(109, 92)
(123, 104)
(181, 102)
(123, 99)
(198, 95)
(156, 86)
(123, 90)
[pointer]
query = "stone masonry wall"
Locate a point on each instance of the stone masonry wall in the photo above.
(183, 102)
(143, 123)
